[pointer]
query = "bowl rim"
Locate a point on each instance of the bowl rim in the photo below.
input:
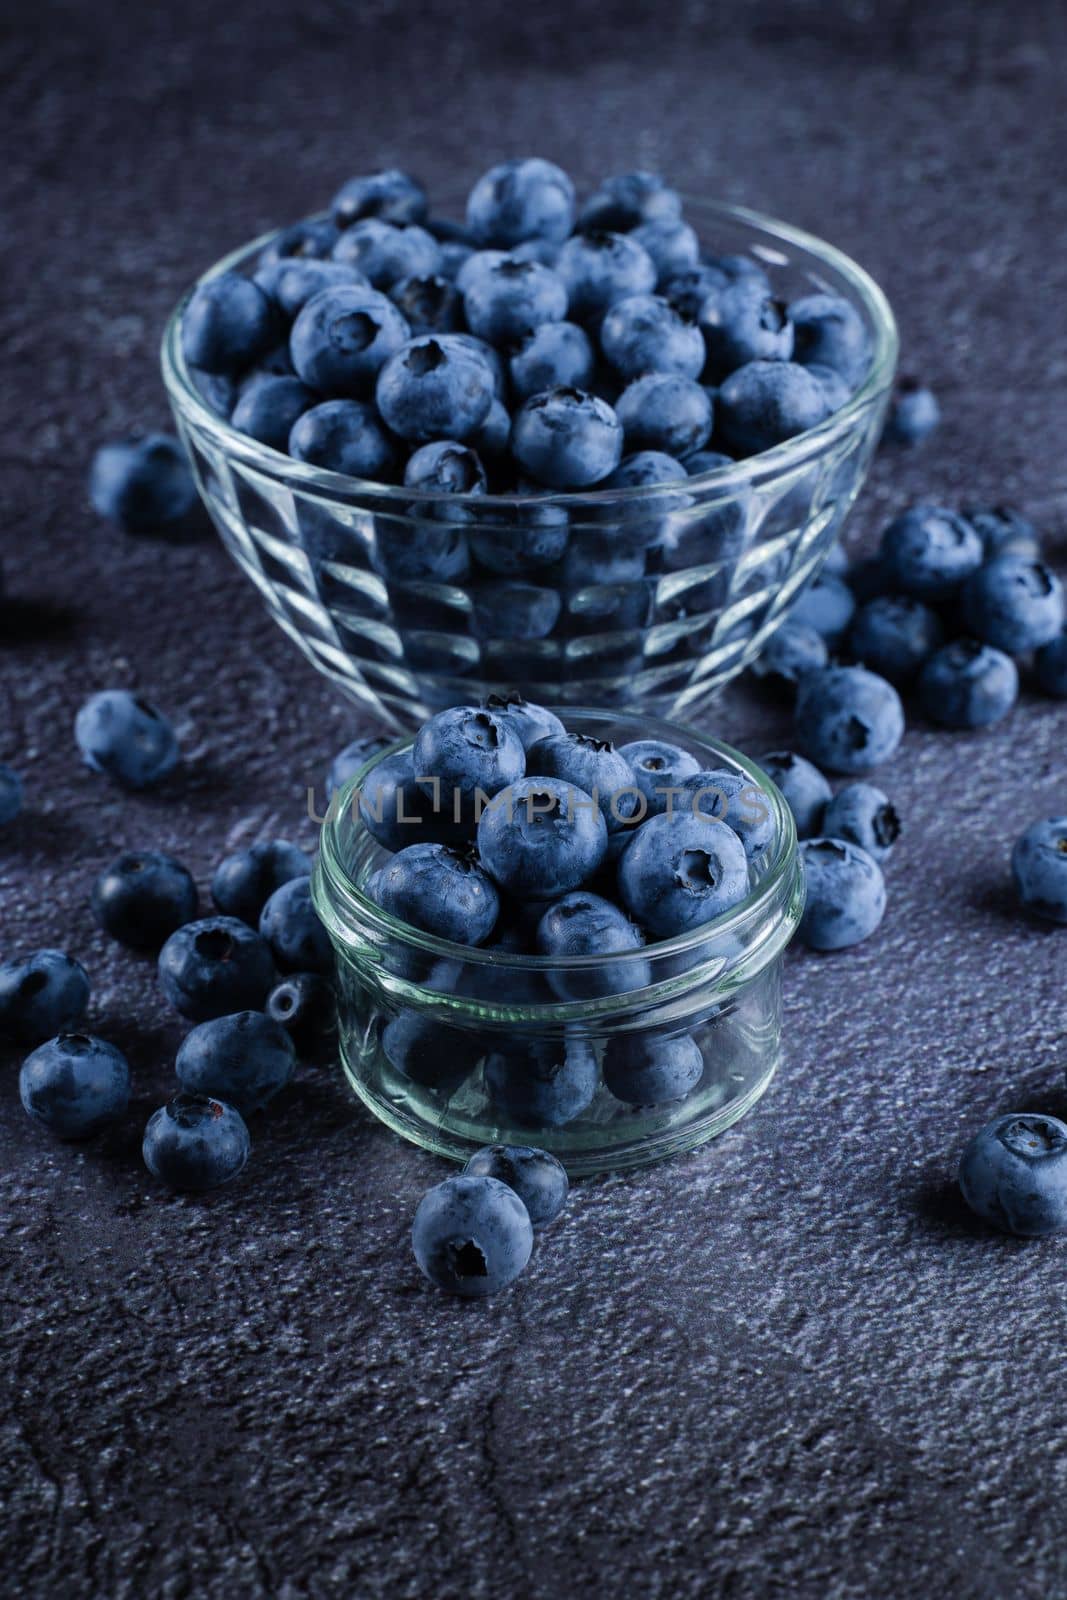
(729, 480)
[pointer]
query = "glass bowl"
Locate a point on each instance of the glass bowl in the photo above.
(650, 598)
(455, 1048)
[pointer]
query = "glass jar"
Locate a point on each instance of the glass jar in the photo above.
(609, 1061)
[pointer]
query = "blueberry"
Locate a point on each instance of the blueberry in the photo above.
(214, 966)
(435, 388)
(690, 291)
(1014, 1174)
(244, 1059)
(861, 814)
(520, 200)
(966, 684)
(671, 243)
(827, 605)
(834, 386)
(585, 924)
(304, 1004)
(829, 332)
(74, 1085)
(845, 894)
(868, 579)
(227, 324)
(443, 891)
(646, 1070)
(545, 1085)
(1014, 603)
(766, 402)
(388, 252)
(1003, 531)
(467, 750)
(542, 837)
(419, 1049)
(567, 439)
(717, 530)
(277, 363)
(804, 789)
(347, 762)
(391, 194)
(312, 239)
(681, 871)
(142, 897)
(269, 407)
(476, 267)
(602, 560)
(659, 769)
(291, 284)
(734, 268)
(446, 467)
(929, 551)
(126, 737)
(600, 268)
(1039, 867)
(505, 608)
(1050, 666)
(10, 794)
(494, 435)
(733, 798)
(512, 298)
(662, 411)
(472, 1236)
(342, 338)
(45, 994)
(290, 925)
(848, 719)
(554, 355)
(593, 766)
(542, 251)
(743, 323)
(195, 1143)
(244, 881)
(217, 390)
(142, 485)
(644, 333)
(893, 635)
(790, 652)
(490, 358)
(913, 413)
(628, 199)
(397, 812)
(539, 1180)
(530, 721)
(344, 436)
(429, 303)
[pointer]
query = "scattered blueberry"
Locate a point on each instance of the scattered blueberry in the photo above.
(74, 1085)
(472, 1236)
(862, 814)
(305, 1005)
(10, 794)
(196, 1143)
(142, 897)
(893, 635)
(649, 1070)
(290, 925)
(680, 871)
(1014, 1174)
(435, 388)
(845, 894)
(827, 605)
(244, 1059)
(244, 881)
(443, 891)
(126, 737)
(539, 1180)
(46, 994)
(566, 438)
(1003, 531)
(913, 413)
(142, 485)
(343, 337)
(929, 551)
(545, 1086)
(967, 684)
(1014, 603)
(228, 323)
(1039, 867)
(790, 652)
(215, 966)
(848, 719)
(804, 789)
(520, 200)
(766, 402)
(542, 837)
(662, 411)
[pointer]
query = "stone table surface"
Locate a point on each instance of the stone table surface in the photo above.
(788, 1364)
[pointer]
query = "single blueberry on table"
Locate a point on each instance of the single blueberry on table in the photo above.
(506, 608)
(542, 837)
(142, 896)
(215, 966)
(343, 337)
(593, 766)
(344, 436)
(914, 413)
(731, 797)
(126, 737)
(1039, 868)
(659, 769)
(929, 551)
(828, 331)
(142, 485)
(539, 1180)
(74, 1085)
(290, 925)
(794, 649)
(644, 333)
(967, 684)
(435, 387)
(628, 199)
(827, 605)
(511, 298)
(292, 283)
(312, 239)
(848, 719)
(517, 200)
(1050, 666)
(662, 411)
(269, 407)
(804, 789)
(681, 871)
(444, 892)
(47, 993)
(649, 1070)
(1014, 603)
(744, 323)
(397, 812)
(1014, 1174)
(195, 1143)
(543, 1085)
(845, 894)
(585, 924)
(893, 635)
(465, 750)
(1003, 531)
(554, 355)
(672, 244)
(388, 252)
(566, 439)
(228, 324)
(472, 1236)
(347, 762)
(393, 195)
(599, 268)
(244, 1059)
(244, 881)
(861, 814)
(529, 720)
(766, 402)
(429, 303)
(10, 794)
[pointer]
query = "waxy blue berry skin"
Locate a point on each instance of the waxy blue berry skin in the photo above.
(1014, 1174)
(476, 267)
(397, 812)
(10, 794)
(142, 485)
(43, 995)
(681, 871)
(517, 200)
(794, 649)
(544, 1086)
(646, 1070)
(312, 239)
(228, 324)
(662, 411)
(305, 1005)
(828, 331)
(690, 291)
(765, 403)
(744, 323)
(343, 337)
(1039, 867)
(585, 924)
(644, 333)
(429, 303)
(967, 684)
(244, 1059)
(658, 769)
(542, 838)
(601, 268)
(391, 194)
(344, 436)
(1003, 531)
(539, 1180)
(848, 719)
(628, 199)
(827, 605)
(217, 390)
(196, 1143)
(388, 252)
(446, 467)
(347, 762)
(672, 244)
(142, 896)
(290, 925)
(435, 387)
(443, 891)
(863, 815)
(914, 413)
(893, 635)
(215, 966)
(592, 765)
(74, 1085)
(1050, 666)
(929, 551)
(465, 750)
(511, 298)
(292, 283)
(245, 880)
(269, 407)
(1014, 603)
(126, 737)
(805, 790)
(845, 894)
(566, 439)
(472, 1236)
(555, 355)
(530, 721)
(733, 798)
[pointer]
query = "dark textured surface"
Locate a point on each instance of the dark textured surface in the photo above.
(786, 1365)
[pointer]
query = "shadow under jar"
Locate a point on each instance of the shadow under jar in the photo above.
(653, 597)
(456, 1048)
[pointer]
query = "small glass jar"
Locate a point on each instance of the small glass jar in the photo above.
(456, 1047)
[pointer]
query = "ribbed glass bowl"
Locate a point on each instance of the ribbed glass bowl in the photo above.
(450, 1046)
(662, 595)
